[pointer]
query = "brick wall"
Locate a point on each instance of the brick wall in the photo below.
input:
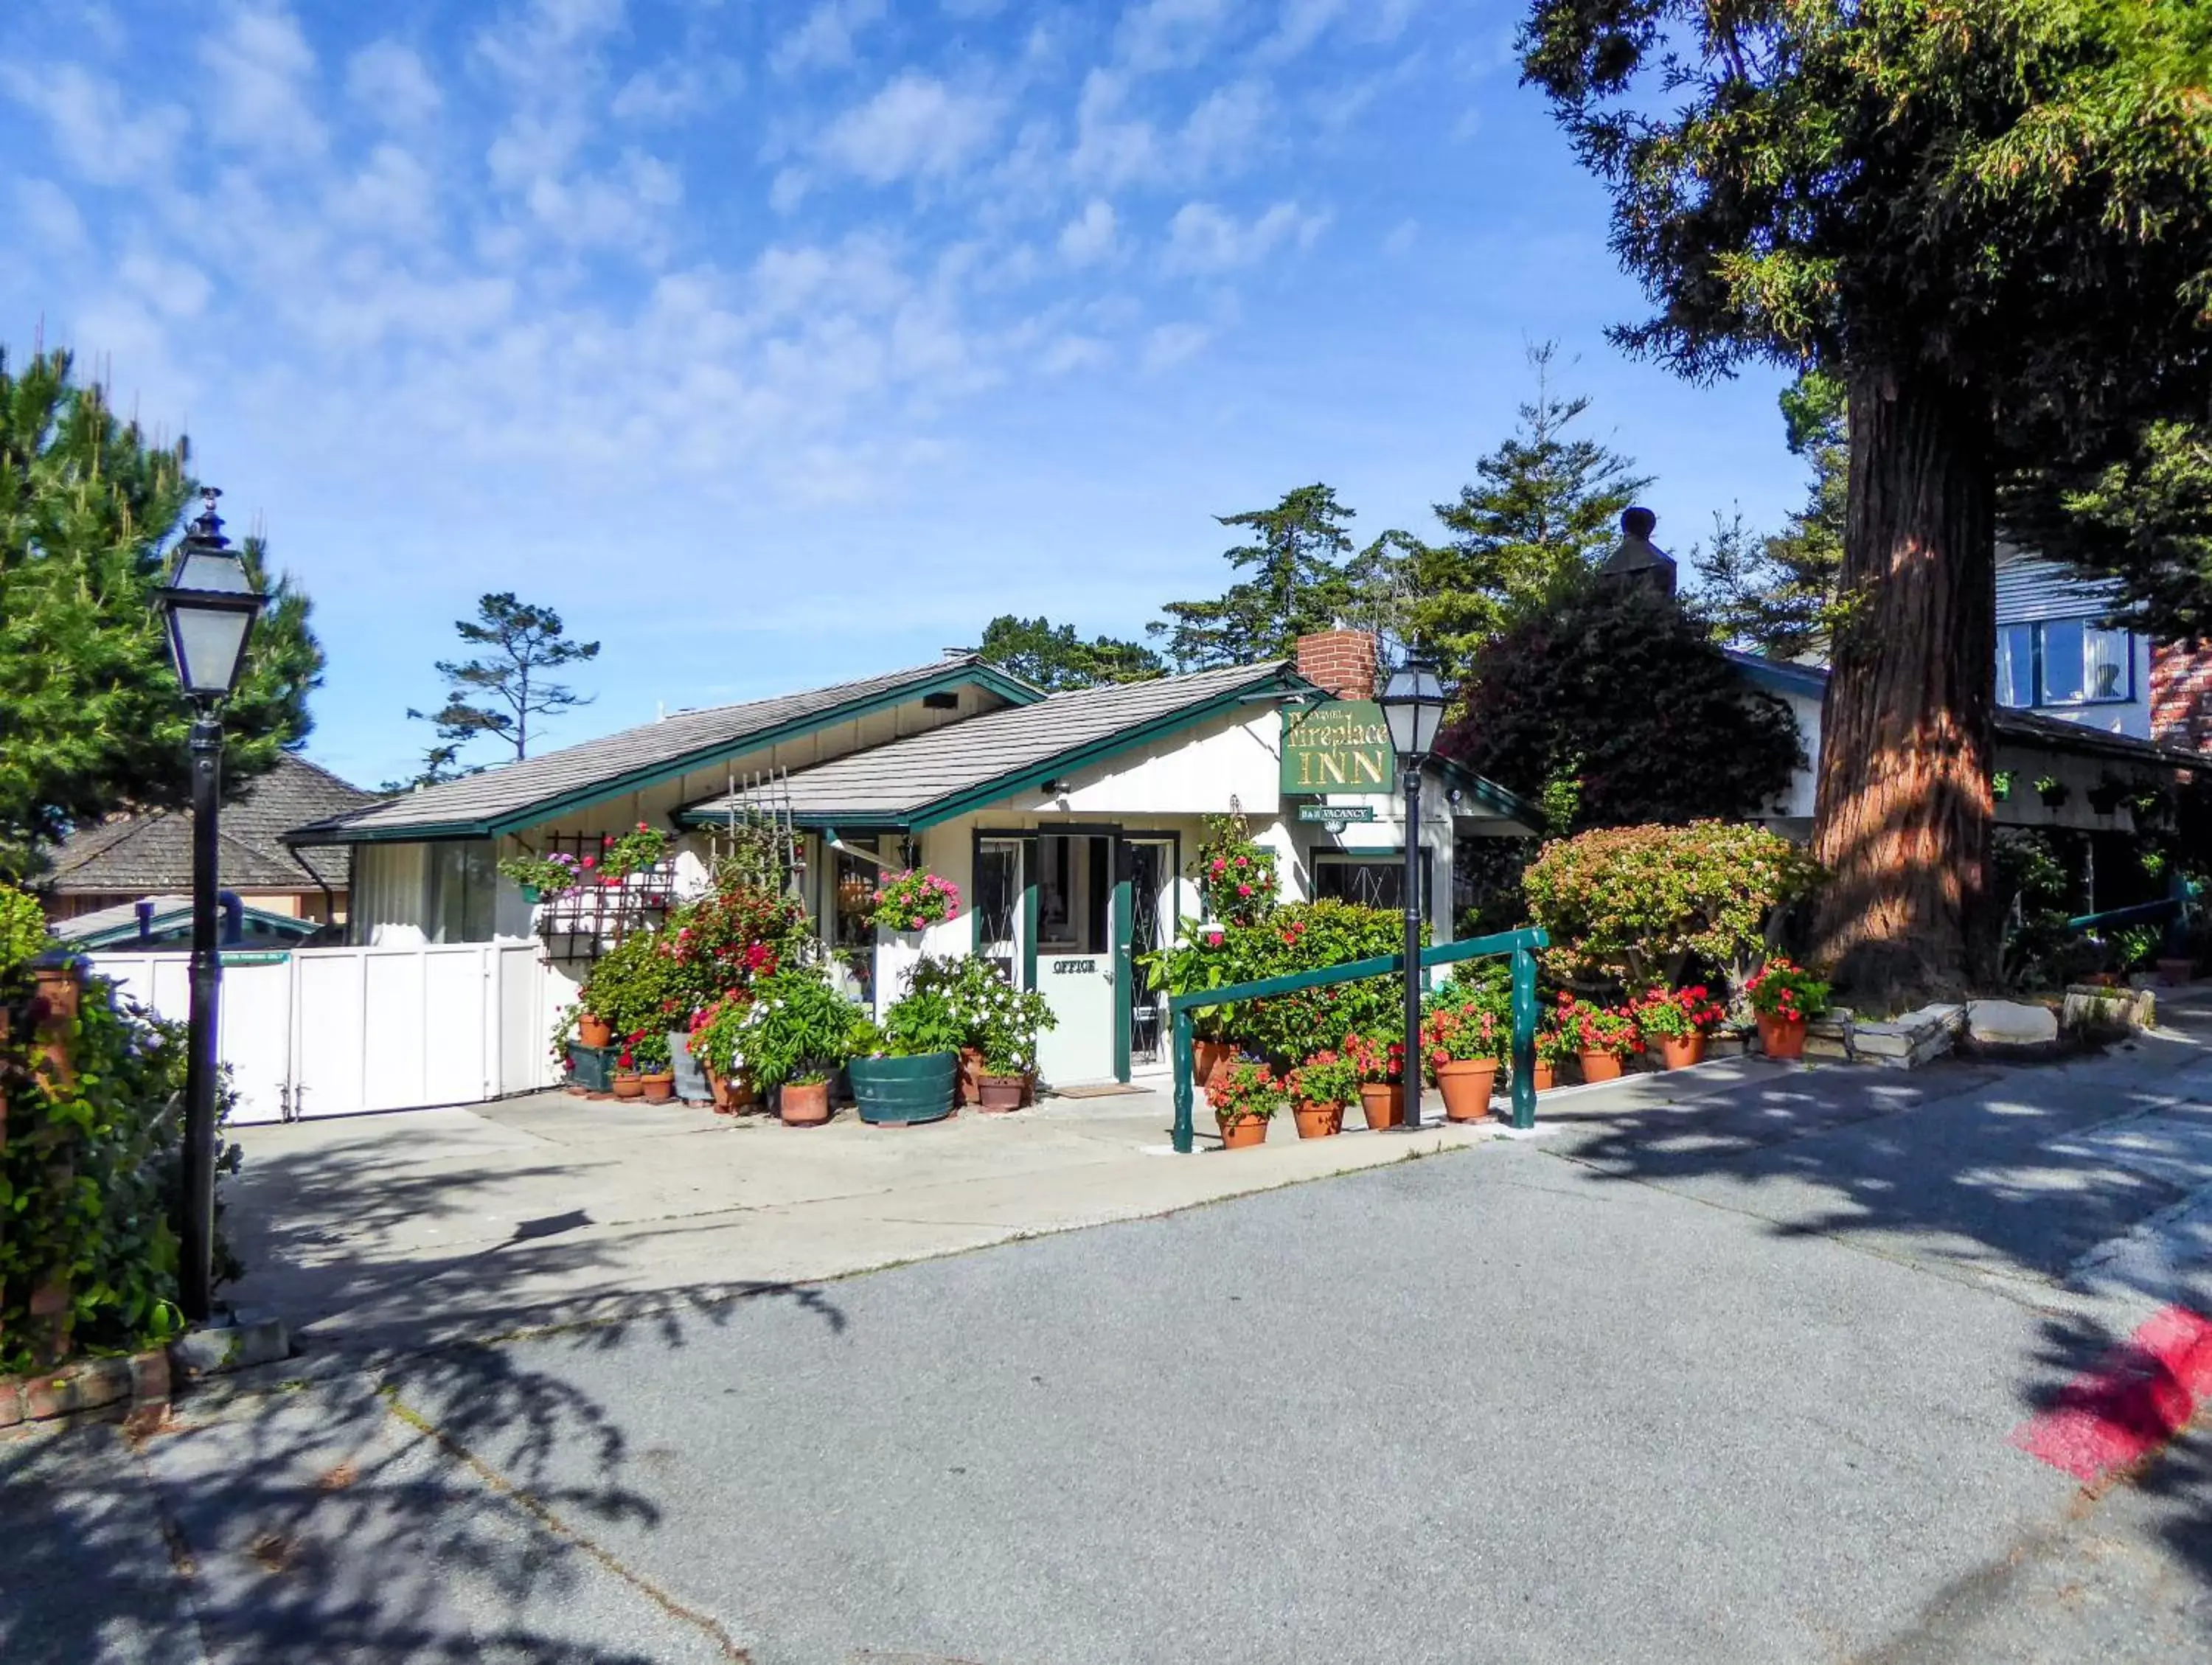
(1342, 661)
(2181, 695)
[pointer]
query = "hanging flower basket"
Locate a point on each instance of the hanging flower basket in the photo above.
(913, 901)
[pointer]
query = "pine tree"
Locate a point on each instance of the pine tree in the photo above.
(94, 722)
(499, 694)
(1774, 594)
(1055, 658)
(1300, 585)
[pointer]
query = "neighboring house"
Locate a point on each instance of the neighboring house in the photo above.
(1067, 822)
(166, 923)
(131, 858)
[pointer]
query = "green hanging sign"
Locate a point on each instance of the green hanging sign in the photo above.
(1341, 746)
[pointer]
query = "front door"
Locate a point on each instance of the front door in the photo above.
(1075, 956)
(1148, 865)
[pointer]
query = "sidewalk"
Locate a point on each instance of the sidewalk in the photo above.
(370, 1233)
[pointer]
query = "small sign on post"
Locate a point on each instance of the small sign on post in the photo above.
(1334, 816)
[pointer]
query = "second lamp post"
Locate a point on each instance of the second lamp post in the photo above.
(1414, 706)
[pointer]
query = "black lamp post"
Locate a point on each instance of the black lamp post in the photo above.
(1414, 706)
(207, 608)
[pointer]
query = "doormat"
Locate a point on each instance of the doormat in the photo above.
(1100, 1089)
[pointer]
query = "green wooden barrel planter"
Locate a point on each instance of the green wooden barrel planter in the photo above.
(905, 1089)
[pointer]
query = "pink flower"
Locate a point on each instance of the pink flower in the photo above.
(1243, 890)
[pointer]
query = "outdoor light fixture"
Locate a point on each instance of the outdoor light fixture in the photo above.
(1414, 706)
(207, 608)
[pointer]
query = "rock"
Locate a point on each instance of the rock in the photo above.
(2010, 1023)
(2099, 1012)
(215, 1348)
(1908, 1042)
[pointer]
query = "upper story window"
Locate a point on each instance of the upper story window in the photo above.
(2064, 661)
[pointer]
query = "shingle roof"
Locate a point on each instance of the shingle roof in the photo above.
(141, 854)
(904, 780)
(477, 803)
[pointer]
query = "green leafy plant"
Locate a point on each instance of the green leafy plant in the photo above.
(728, 940)
(1782, 989)
(1307, 936)
(1677, 1015)
(549, 875)
(911, 901)
(1464, 1023)
(1236, 877)
(640, 850)
(23, 935)
(1327, 1079)
(719, 1032)
(1246, 1089)
(2052, 791)
(1639, 904)
(1609, 1030)
(995, 1018)
(638, 986)
(798, 1029)
(923, 1021)
(646, 1051)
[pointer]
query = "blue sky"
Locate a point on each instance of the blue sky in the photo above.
(774, 342)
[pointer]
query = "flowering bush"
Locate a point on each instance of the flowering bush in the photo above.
(994, 1016)
(798, 1029)
(718, 1034)
(640, 850)
(1461, 1027)
(909, 901)
(731, 939)
(1781, 989)
(645, 1050)
(1235, 877)
(1678, 1016)
(1376, 1057)
(1609, 1030)
(1639, 904)
(549, 875)
(1245, 1091)
(1327, 1078)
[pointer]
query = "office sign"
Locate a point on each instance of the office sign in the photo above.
(1343, 746)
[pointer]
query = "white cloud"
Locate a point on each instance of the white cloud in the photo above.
(1401, 239)
(676, 89)
(1072, 352)
(1202, 238)
(1089, 238)
(105, 140)
(1222, 134)
(1159, 34)
(44, 210)
(393, 193)
(825, 40)
(259, 72)
(1303, 23)
(916, 128)
(1225, 130)
(390, 79)
(1171, 343)
(174, 287)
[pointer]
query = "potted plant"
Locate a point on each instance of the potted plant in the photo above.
(543, 877)
(627, 1081)
(1465, 1036)
(2052, 791)
(1245, 1097)
(1679, 1022)
(913, 901)
(1785, 996)
(1236, 878)
(640, 850)
(718, 1037)
(978, 992)
(1009, 1041)
(1602, 1036)
(646, 1051)
(1319, 1090)
(797, 1036)
(1381, 1063)
(593, 1031)
(909, 1070)
(1203, 959)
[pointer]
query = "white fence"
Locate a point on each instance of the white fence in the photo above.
(332, 1031)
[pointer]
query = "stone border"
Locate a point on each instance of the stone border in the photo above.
(140, 1383)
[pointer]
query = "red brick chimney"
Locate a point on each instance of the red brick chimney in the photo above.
(1343, 661)
(2180, 695)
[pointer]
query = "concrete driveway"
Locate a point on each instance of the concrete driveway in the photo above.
(1728, 1367)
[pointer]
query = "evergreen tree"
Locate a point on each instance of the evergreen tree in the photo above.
(1055, 658)
(499, 693)
(1993, 221)
(1774, 594)
(1300, 584)
(1544, 510)
(94, 722)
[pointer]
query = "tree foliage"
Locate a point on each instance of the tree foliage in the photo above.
(1614, 707)
(1299, 584)
(1055, 659)
(498, 693)
(1774, 594)
(95, 722)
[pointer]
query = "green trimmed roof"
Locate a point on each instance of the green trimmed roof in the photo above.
(517, 795)
(169, 924)
(927, 778)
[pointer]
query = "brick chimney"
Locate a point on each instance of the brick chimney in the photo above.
(2180, 695)
(1343, 661)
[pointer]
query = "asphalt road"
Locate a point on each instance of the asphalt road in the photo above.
(1729, 1380)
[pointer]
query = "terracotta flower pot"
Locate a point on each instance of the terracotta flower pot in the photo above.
(659, 1087)
(629, 1084)
(997, 1094)
(1545, 1076)
(1209, 1058)
(1600, 1066)
(1467, 1085)
(1241, 1134)
(1679, 1052)
(1781, 1037)
(1318, 1120)
(971, 1075)
(731, 1097)
(804, 1106)
(594, 1032)
(1382, 1103)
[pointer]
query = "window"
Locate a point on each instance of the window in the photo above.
(462, 875)
(1375, 881)
(2064, 661)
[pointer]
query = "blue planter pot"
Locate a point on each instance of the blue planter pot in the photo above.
(905, 1089)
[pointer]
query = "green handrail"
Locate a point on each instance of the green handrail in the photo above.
(1521, 944)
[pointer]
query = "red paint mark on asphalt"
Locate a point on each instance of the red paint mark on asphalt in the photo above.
(2137, 1398)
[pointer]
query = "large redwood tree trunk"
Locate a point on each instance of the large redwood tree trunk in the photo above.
(1903, 811)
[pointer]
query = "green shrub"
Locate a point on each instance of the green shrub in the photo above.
(1638, 904)
(798, 1029)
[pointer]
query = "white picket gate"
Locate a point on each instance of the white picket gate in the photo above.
(334, 1031)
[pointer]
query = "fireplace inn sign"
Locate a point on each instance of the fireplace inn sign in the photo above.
(1340, 747)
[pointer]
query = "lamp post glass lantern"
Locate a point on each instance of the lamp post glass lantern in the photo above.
(207, 609)
(1413, 707)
